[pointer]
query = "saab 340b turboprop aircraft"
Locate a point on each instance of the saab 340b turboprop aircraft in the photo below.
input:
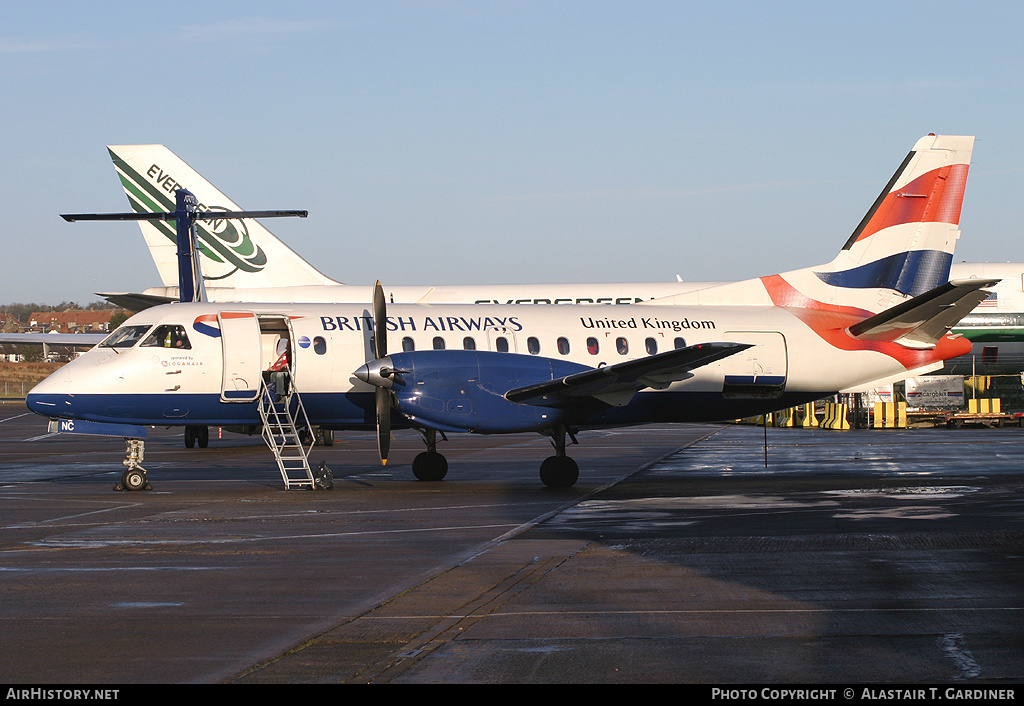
(879, 311)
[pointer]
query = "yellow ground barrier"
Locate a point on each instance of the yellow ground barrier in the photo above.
(890, 415)
(835, 417)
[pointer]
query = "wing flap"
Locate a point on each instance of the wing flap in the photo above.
(616, 384)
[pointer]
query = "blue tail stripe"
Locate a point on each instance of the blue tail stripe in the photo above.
(911, 273)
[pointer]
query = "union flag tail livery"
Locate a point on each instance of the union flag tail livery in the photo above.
(235, 253)
(903, 247)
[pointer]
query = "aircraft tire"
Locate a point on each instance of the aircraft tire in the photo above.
(133, 479)
(190, 437)
(559, 472)
(203, 436)
(430, 466)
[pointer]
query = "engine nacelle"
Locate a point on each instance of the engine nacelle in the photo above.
(464, 390)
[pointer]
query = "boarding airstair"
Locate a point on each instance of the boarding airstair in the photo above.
(285, 425)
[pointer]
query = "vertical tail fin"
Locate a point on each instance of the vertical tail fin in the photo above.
(905, 241)
(904, 245)
(901, 248)
(239, 253)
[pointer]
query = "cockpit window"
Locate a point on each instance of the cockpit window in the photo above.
(168, 336)
(124, 337)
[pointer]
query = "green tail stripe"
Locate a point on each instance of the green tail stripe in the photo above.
(147, 198)
(141, 203)
(169, 232)
(162, 201)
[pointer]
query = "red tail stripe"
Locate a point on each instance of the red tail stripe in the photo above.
(830, 323)
(935, 197)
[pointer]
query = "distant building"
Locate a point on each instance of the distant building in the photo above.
(85, 321)
(9, 322)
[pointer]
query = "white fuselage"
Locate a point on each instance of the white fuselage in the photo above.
(153, 382)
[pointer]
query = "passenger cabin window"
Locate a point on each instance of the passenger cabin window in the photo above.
(124, 337)
(533, 345)
(319, 345)
(168, 336)
(468, 344)
(680, 343)
(651, 344)
(592, 346)
(501, 344)
(622, 345)
(563, 345)
(407, 344)
(438, 343)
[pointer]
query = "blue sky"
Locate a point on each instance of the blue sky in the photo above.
(443, 142)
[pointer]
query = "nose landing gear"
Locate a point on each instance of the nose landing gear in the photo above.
(134, 476)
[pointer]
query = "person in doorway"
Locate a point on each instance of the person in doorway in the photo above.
(276, 376)
(282, 362)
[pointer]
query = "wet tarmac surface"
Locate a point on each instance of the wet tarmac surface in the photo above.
(854, 557)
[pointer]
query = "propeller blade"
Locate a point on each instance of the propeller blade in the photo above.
(383, 424)
(381, 374)
(380, 322)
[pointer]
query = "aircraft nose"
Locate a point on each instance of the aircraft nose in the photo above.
(50, 397)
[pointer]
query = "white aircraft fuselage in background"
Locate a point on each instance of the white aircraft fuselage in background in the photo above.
(244, 262)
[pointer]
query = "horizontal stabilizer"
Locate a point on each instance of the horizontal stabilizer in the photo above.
(616, 384)
(135, 301)
(171, 215)
(920, 322)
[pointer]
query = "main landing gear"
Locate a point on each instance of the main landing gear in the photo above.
(197, 434)
(134, 476)
(430, 465)
(559, 471)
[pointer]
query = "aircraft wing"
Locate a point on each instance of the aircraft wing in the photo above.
(920, 322)
(78, 340)
(616, 384)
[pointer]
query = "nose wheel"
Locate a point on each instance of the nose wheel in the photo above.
(134, 476)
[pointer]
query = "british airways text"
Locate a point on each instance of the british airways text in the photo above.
(428, 323)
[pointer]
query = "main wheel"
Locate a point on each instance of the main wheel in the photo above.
(197, 434)
(430, 466)
(559, 472)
